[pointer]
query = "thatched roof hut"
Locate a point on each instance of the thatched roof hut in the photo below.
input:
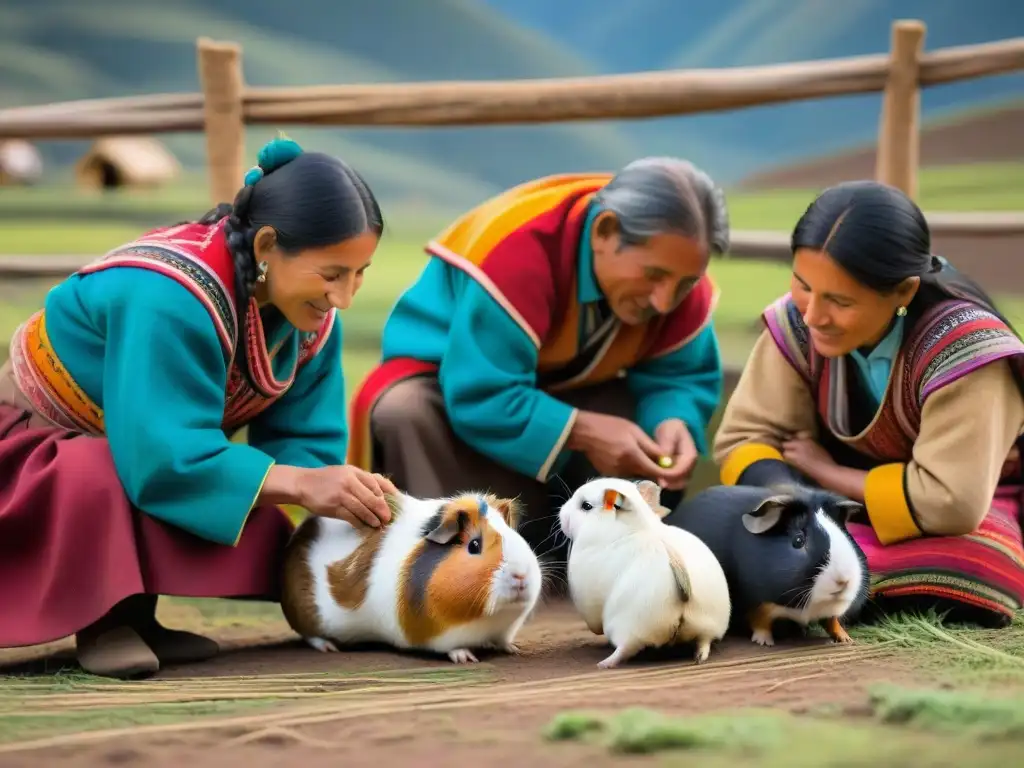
(20, 163)
(126, 161)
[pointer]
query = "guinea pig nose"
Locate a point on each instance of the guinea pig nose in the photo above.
(519, 577)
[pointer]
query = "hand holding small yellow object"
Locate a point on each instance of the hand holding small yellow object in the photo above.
(677, 454)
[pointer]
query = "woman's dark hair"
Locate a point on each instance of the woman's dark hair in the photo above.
(655, 195)
(311, 200)
(881, 237)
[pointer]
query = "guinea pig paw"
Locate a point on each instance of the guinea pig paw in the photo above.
(462, 656)
(702, 652)
(324, 646)
(621, 654)
(510, 648)
(763, 637)
(836, 631)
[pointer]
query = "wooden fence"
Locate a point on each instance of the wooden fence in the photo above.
(226, 105)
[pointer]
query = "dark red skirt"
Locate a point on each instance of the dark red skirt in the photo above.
(72, 545)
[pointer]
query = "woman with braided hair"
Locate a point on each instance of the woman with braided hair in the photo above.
(118, 478)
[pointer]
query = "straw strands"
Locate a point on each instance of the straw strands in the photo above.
(343, 698)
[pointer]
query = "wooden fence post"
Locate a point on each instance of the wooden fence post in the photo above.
(220, 74)
(899, 137)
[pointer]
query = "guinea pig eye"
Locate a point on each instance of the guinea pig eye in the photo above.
(799, 541)
(475, 547)
(586, 506)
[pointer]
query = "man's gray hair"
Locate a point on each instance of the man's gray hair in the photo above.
(660, 195)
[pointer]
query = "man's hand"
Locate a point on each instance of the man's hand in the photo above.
(674, 440)
(616, 447)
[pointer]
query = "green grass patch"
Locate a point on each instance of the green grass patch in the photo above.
(642, 731)
(901, 728)
(570, 726)
(955, 652)
(981, 714)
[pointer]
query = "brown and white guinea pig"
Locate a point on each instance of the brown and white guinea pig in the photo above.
(446, 575)
(786, 553)
(636, 581)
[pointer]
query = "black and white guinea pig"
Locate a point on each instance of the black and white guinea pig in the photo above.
(786, 553)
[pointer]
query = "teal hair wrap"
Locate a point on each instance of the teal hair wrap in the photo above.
(253, 175)
(275, 153)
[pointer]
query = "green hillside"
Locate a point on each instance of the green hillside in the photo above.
(55, 50)
(668, 34)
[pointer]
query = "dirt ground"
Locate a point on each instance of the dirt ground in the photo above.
(496, 717)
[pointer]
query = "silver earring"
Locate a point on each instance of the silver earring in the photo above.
(263, 267)
(901, 312)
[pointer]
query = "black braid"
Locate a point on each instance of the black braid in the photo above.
(239, 235)
(213, 215)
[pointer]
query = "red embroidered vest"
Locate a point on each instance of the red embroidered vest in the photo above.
(197, 256)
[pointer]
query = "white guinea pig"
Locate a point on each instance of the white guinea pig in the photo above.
(636, 580)
(445, 575)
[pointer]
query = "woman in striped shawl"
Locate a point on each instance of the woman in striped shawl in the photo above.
(888, 376)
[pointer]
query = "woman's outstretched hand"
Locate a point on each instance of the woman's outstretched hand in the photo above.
(347, 493)
(343, 492)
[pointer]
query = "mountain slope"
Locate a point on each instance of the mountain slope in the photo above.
(945, 142)
(669, 34)
(66, 49)
(63, 49)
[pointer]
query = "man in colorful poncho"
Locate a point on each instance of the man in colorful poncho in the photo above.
(562, 329)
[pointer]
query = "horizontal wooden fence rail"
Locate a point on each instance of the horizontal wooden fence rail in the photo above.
(982, 243)
(541, 100)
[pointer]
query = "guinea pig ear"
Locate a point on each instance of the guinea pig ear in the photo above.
(650, 493)
(446, 531)
(843, 510)
(509, 510)
(767, 514)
